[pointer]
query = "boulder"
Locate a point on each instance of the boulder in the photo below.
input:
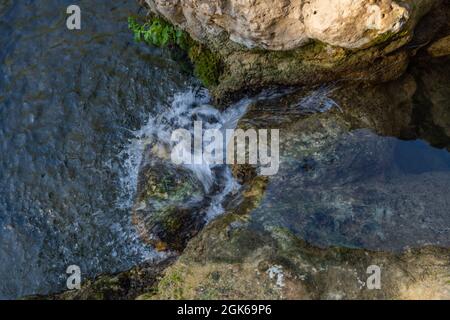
(169, 205)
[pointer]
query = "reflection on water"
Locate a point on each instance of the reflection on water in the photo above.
(67, 102)
(373, 173)
(416, 157)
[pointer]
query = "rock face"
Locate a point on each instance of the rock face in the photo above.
(297, 42)
(288, 24)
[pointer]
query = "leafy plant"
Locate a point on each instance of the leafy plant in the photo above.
(158, 32)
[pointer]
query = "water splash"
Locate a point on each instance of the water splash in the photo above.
(185, 108)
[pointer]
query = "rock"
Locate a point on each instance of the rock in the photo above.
(440, 47)
(342, 172)
(122, 286)
(169, 203)
(350, 196)
(289, 24)
(296, 42)
(232, 260)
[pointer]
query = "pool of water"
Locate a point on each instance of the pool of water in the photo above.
(69, 103)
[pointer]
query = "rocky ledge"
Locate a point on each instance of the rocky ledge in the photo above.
(297, 42)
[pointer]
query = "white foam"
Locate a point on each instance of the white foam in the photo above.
(184, 108)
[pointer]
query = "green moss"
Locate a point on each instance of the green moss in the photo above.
(172, 284)
(158, 32)
(208, 66)
(387, 36)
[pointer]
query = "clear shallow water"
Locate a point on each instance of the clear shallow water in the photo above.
(370, 173)
(69, 102)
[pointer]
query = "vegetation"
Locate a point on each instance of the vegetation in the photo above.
(208, 66)
(160, 33)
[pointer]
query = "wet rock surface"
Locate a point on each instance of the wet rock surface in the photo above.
(228, 260)
(350, 194)
(170, 203)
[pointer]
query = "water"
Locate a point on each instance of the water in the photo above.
(185, 108)
(372, 172)
(69, 103)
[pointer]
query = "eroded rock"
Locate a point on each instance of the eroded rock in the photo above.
(295, 42)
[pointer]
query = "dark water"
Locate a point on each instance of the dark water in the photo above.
(373, 173)
(67, 102)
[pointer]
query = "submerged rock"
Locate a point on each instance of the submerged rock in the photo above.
(170, 203)
(296, 42)
(370, 173)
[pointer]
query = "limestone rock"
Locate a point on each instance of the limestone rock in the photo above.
(288, 24)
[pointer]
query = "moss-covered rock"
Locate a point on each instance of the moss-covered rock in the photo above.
(157, 31)
(170, 202)
(233, 67)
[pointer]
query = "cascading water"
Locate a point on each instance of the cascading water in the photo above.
(185, 108)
